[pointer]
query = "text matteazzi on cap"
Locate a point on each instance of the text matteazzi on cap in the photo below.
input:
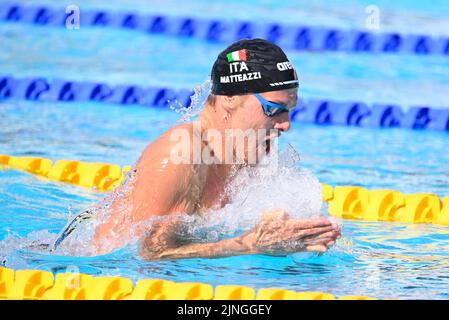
(252, 66)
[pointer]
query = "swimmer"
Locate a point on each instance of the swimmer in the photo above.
(254, 86)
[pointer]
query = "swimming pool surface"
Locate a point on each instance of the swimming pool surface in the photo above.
(383, 260)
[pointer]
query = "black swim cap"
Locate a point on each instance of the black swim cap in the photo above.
(252, 66)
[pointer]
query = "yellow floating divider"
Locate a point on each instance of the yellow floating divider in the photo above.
(190, 291)
(314, 296)
(420, 208)
(63, 170)
(276, 294)
(384, 205)
(109, 288)
(229, 292)
(281, 294)
(40, 166)
(98, 175)
(41, 285)
(443, 217)
(152, 289)
(70, 286)
(6, 282)
(102, 176)
(348, 202)
(351, 202)
(30, 284)
(4, 159)
(356, 298)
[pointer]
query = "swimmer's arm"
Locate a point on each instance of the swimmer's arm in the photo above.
(223, 248)
(275, 234)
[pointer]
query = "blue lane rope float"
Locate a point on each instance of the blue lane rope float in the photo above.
(293, 37)
(41, 89)
(321, 112)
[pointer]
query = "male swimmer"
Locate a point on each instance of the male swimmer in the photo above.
(254, 86)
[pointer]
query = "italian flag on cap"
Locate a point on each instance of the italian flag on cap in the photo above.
(239, 55)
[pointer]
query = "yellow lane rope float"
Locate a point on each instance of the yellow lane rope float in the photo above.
(344, 201)
(347, 202)
(42, 285)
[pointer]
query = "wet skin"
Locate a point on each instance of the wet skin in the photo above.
(163, 188)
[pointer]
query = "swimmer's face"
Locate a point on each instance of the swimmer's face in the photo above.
(250, 115)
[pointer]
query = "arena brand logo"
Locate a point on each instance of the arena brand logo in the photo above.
(283, 66)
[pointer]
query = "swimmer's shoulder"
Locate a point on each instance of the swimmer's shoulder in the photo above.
(172, 135)
(187, 129)
(157, 173)
(169, 143)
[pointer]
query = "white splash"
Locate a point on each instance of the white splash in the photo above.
(256, 190)
(273, 186)
(13, 242)
(201, 92)
(80, 242)
(278, 183)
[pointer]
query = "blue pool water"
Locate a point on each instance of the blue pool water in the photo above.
(384, 260)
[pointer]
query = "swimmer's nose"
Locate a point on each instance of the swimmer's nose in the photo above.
(282, 122)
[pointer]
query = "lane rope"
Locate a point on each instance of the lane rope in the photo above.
(43, 285)
(316, 111)
(288, 36)
(347, 202)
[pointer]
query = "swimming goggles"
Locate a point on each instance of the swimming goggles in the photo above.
(271, 109)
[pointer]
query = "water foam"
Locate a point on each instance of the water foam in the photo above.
(80, 242)
(278, 183)
(201, 92)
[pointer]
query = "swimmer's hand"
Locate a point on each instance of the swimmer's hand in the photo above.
(278, 234)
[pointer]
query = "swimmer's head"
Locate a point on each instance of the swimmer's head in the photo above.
(255, 86)
(252, 66)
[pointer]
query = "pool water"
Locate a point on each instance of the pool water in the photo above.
(383, 260)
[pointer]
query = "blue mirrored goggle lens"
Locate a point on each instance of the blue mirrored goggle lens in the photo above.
(271, 112)
(271, 108)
